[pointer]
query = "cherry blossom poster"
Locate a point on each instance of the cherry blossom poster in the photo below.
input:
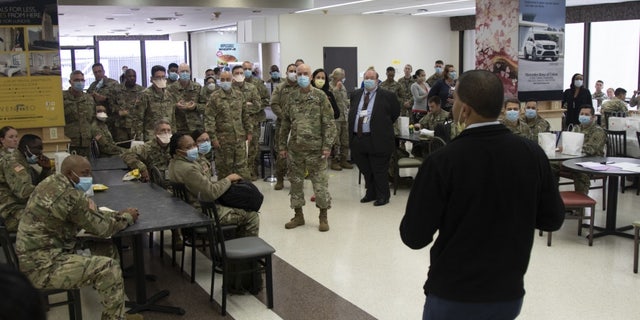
(541, 49)
(497, 41)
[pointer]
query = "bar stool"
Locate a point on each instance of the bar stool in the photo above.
(636, 241)
(577, 200)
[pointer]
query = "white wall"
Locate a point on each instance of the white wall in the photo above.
(380, 40)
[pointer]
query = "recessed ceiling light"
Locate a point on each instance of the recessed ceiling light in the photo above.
(178, 14)
(158, 29)
(60, 14)
(162, 19)
(109, 18)
(150, 22)
(92, 25)
(135, 9)
(123, 14)
(183, 25)
(256, 11)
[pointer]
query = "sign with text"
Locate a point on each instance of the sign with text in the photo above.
(30, 92)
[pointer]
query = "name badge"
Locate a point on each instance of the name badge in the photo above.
(365, 120)
(363, 113)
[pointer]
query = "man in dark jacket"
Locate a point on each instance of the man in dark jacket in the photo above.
(484, 193)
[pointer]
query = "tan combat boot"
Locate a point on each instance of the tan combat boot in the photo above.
(324, 223)
(335, 165)
(345, 164)
(279, 183)
(296, 221)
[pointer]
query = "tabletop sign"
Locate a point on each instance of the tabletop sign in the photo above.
(30, 90)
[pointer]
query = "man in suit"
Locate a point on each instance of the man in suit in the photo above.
(372, 139)
(484, 193)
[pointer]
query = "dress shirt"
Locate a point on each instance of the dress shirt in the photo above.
(366, 125)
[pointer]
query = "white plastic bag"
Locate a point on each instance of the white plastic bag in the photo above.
(403, 125)
(617, 124)
(547, 142)
(572, 143)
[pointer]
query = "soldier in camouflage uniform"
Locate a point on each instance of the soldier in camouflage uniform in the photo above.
(15, 188)
(46, 239)
(437, 75)
(154, 153)
(278, 101)
(512, 120)
(127, 114)
(406, 96)
(308, 116)
(229, 126)
(100, 133)
(105, 91)
(29, 153)
(256, 118)
(434, 117)
(341, 145)
(155, 103)
(185, 94)
(79, 112)
(183, 170)
(253, 105)
(210, 85)
(391, 85)
(535, 122)
(615, 106)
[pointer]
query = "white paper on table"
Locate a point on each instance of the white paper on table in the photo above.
(626, 166)
(427, 132)
(593, 165)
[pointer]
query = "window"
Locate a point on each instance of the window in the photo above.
(163, 52)
(573, 57)
(116, 54)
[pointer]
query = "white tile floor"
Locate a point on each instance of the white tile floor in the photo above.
(363, 260)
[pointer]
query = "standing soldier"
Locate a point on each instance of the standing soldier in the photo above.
(185, 94)
(437, 74)
(155, 103)
(229, 126)
(104, 91)
(279, 100)
(308, 116)
(341, 145)
(406, 96)
(253, 105)
(256, 118)
(127, 113)
(79, 112)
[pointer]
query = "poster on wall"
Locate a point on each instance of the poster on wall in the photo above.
(541, 49)
(227, 54)
(496, 41)
(30, 92)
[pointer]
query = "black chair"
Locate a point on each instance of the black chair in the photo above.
(73, 295)
(245, 249)
(157, 178)
(94, 150)
(267, 147)
(619, 114)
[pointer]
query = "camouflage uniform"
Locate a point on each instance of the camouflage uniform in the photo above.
(187, 120)
(536, 125)
(278, 101)
(106, 145)
(46, 243)
(250, 94)
(393, 86)
(433, 79)
(406, 96)
(36, 176)
(341, 145)
(227, 121)
(612, 106)
(519, 127)
(431, 120)
(109, 88)
(148, 155)
(256, 119)
(156, 106)
(309, 118)
(79, 112)
(205, 94)
(129, 126)
(599, 96)
(189, 173)
(15, 188)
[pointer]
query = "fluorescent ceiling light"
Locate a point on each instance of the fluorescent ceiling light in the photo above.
(333, 6)
(416, 6)
(442, 11)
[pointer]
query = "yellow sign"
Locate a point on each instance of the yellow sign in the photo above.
(31, 102)
(395, 62)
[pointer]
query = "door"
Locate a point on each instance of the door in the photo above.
(345, 58)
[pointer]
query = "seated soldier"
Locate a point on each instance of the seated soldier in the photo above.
(512, 120)
(535, 122)
(205, 156)
(593, 146)
(436, 116)
(46, 240)
(30, 153)
(184, 168)
(615, 106)
(100, 132)
(15, 188)
(154, 153)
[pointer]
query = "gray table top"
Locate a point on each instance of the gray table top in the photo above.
(111, 177)
(559, 156)
(159, 210)
(611, 170)
(110, 163)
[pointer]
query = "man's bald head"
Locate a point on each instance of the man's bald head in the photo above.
(303, 69)
(183, 67)
(75, 164)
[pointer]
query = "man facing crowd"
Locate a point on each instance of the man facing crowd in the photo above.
(465, 198)
(46, 240)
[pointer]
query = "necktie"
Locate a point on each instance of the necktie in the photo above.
(365, 106)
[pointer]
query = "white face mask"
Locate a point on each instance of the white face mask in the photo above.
(160, 83)
(102, 116)
(164, 138)
(292, 76)
(238, 78)
(211, 86)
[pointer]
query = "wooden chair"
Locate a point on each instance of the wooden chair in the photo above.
(225, 252)
(580, 201)
(73, 295)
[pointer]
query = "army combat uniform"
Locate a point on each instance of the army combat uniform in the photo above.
(536, 125)
(341, 145)
(227, 121)
(250, 94)
(615, 106)
(46, 243)
(106, 145)
(110, 88)
(257, 118)
(156, 105)
(593, 146)
(148, 155)
(278, 101)
(15, 188)
(518, 127)
(187, 120)
(406, 96)
(79, 113)
(129, 125)
(189, 173)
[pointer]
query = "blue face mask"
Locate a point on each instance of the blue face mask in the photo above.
(184, 76)
(438, 70)
(275, 75)
(369, 84)
(511, 115)
(530, 113)
(78, 85)
(173, 76)
(303, 81)
(32, 159)
(453, 75)
(247, 73)
(226, 86)
(584, 119)
(192, 154)
(84, 183)
(204, 147)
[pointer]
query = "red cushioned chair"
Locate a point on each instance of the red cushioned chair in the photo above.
(577, 200)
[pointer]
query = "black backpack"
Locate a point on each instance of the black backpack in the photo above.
(242, 195)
